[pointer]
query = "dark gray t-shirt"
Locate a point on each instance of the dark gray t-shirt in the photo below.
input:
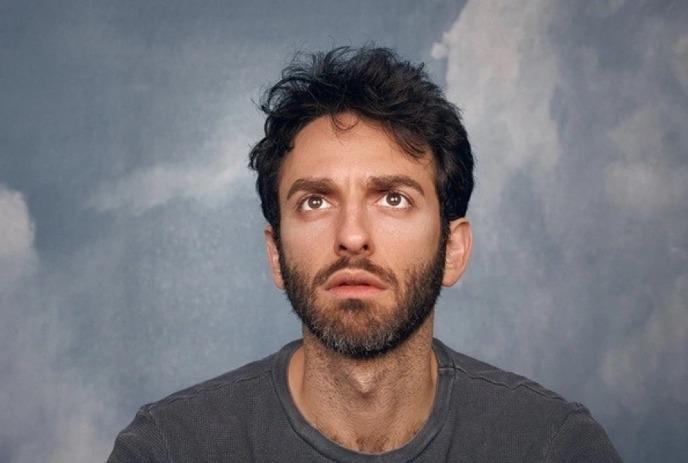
(481, 414)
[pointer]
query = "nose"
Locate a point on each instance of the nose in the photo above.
(353, 233)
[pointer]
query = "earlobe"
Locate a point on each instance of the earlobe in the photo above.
(273, 256)
(459, 245)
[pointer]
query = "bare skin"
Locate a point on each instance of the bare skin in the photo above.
(332, 205)
(371, 406)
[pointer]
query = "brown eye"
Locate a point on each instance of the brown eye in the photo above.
(314, 202)
(394, 199)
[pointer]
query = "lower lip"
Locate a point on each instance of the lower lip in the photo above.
(354, 291)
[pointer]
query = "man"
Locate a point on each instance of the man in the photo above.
(364, 174)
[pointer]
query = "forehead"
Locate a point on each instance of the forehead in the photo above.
(354, 149)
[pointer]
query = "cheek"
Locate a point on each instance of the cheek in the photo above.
(417, 237)
(404, 247)
(305, 244)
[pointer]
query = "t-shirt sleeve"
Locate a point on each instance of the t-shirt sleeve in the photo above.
(581, 439)
(140, 442)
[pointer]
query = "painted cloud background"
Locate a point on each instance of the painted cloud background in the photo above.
(131, 256)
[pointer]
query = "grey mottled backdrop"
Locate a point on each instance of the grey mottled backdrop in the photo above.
(131, 256)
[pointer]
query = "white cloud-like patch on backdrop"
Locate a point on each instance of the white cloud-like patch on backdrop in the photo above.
(17, 255)
(54, 416)
(504, 71)
(207, 182)
(153, 186)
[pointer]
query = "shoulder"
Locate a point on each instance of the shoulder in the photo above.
(198, 418)
(228, 397)
(476, 377)
(227, 385)
(509, 406)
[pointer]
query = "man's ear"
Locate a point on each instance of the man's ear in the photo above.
(273, 256)
(459, 245)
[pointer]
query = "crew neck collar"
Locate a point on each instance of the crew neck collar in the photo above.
(333, 450)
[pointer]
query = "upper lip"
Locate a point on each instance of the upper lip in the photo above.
(348, 277)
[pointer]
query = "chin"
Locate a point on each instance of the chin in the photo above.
(356, 332)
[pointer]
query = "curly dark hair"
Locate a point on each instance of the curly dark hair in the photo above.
(375, 84)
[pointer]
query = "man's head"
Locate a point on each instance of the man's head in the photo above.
(364, 175)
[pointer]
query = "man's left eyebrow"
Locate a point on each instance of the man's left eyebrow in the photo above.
(388, 182)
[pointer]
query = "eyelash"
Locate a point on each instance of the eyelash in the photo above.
(403, 196)
(304, 201)
(300, 205)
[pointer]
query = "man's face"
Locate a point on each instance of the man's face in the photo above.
(361, 250)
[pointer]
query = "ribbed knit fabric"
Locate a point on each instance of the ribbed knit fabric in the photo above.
(480, 414)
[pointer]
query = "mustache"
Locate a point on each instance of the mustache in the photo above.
(361, 264)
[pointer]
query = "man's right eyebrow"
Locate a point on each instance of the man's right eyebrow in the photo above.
(310, 184)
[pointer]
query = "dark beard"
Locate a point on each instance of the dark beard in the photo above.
(413, 305)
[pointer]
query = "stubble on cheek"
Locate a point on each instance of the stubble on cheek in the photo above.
(352, 315)
(365, 328)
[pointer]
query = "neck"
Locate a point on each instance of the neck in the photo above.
(368, 405)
